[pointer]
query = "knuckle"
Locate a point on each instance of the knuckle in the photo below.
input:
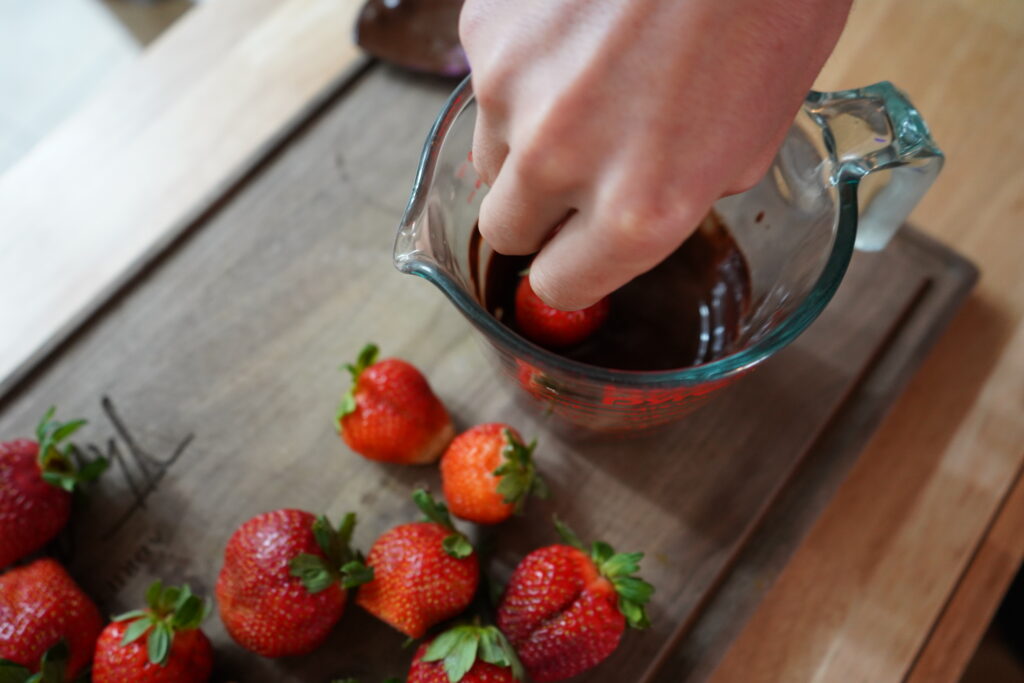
(552, 168)
(641, 231)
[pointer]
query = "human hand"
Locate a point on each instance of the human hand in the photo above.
(627, 119)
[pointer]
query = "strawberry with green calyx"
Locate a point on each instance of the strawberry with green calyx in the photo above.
(36, 481)
(284, 582)
(390, 413)
(338, 563)
(470, 653)
(424, 572)
(48, 625)
(455, 543)
(159, 644)
(488, 472)
(566, 607)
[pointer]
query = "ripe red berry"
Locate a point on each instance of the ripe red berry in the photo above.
(45, 618)
(565, 609)
(551, 327)
(159, 644)
(36, 480)
(424, 572)
(283, 584)
(487, 474)
(466, 654)
(391, 414)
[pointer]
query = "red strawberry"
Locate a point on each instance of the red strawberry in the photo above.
(174, 651)
(487, 473)
(390, 413)
(466, 654)
(424, 572)
(551, 327)
(282, 587)
(36, 480)
(564, 610)
(46, 623)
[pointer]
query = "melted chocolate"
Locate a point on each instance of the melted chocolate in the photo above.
(687, 311)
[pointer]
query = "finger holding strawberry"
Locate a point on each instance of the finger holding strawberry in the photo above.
(285, 581)
(566, 607)
(159, 644)
(390, 413)
(424, 572)
(488, 472)
(47, 624)
(36, 481)
(554, 328)
(466, 654)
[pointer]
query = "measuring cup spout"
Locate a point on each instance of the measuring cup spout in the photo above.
(880, 144)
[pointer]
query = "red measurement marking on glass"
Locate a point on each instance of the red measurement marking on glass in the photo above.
(476, 186)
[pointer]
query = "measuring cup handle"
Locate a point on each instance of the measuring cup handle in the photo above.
(876, 131)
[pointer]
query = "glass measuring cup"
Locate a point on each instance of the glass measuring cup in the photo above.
(852, 167)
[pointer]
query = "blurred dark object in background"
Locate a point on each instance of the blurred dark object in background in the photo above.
(422, 35)
(1010, 617)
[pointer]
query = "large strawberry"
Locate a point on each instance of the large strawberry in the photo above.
(36, 480)
(390, 413)
(174, 649)
(47, 624)
(424, 572)
(466, 654)
(565, 609)
(551, 327)
(283, 585)
(487, 473)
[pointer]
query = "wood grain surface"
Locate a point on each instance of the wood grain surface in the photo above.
(959, 630)
(860, 597)
(214, 379)
(119, 179)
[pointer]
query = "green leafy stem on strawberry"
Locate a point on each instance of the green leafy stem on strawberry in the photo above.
(367, 357)
(460, 647)
(52, 667)
(171, 609)
(56, 458)
(340, 563)
(518, 474)
(456, 544)
(619, 568)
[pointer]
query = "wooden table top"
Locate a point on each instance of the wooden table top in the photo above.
(899, 577)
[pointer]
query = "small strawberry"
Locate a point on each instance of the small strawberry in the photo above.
(390, 413)
(36, 480)
(551, 327)
(466, 654)
(487, 473)
(47, 624)
(424, 572)
(174, 651)
(565, 610)
(283, 585)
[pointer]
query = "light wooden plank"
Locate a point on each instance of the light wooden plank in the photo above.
(861, 594)
(956, 635)
(150, 151)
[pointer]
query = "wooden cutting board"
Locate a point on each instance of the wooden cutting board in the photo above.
(212, 380)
